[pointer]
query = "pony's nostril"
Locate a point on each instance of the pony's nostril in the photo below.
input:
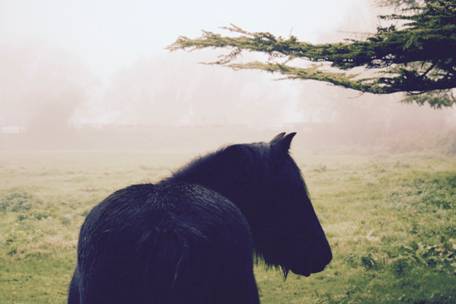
(319, 266)
(326, 258)
(322, 260)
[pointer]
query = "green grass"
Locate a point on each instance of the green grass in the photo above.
(391, 221)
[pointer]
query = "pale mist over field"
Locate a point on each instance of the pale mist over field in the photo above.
(96, 75)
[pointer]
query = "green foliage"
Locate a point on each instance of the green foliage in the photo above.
(417, 57)
(16, 202)
(440, 256)
(437, 192)
(368, 262)
(398, 2)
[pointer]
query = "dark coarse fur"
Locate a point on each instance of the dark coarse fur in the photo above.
(189, 238)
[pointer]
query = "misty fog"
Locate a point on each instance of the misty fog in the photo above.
(51, 97)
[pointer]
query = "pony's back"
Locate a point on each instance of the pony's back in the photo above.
(165, 243)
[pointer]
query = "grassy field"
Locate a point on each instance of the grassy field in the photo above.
(391, 221)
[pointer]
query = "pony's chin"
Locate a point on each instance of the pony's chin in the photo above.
(305, 271)
(301, 272)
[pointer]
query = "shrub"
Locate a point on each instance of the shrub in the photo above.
(16, 202)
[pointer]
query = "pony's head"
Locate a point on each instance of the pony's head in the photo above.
(265, 183)
(272, 194)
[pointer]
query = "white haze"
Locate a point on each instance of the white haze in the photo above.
(68, 65)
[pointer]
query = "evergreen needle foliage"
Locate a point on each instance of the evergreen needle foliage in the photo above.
(417, 57)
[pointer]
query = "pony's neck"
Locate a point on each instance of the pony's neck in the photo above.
(228, 174)
(204, 171)
(227, 179)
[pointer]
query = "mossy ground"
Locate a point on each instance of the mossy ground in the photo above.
(391, 221)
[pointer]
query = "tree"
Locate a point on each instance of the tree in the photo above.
(417, 57)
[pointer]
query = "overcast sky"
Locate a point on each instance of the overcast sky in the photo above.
(110, 34)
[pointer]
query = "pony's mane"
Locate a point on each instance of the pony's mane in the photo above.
(194, 165)
(251, 153)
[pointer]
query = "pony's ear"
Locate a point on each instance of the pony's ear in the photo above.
(277, 138)
(282, 144)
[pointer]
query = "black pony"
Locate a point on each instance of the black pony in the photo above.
(189, 238)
